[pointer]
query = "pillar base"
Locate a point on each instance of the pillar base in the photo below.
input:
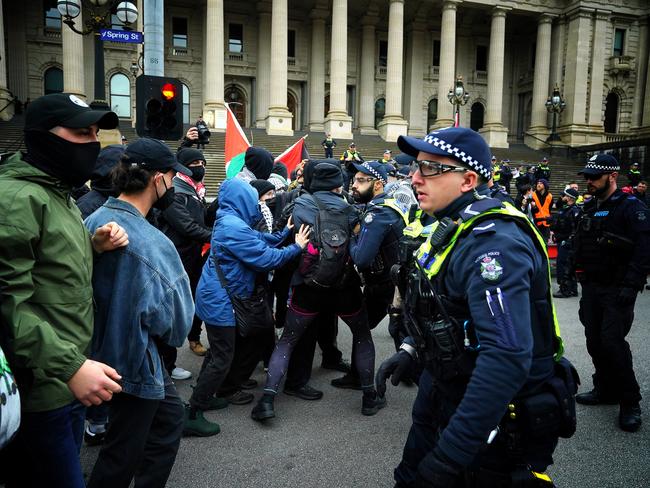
(260, 124)
(440, 123)
(417, 131)
(214, 115)
(5, 97)
(495, 135)
(536, 137)
(316, 127)
(391, 127)
(643, 131)
(278, 122)
(581, 134)
(368, 131)
(107, 137)
(339, 124)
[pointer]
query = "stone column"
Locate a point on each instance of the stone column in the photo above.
(646, 102)
(447, 73)
(642, 66)
(214, 110)
(16, 50)
(541, 89)
(598, 60)
(317, 71)
(393, 124)
(367, 76)
(8, 112)
(495, 134)
(572, 126)
(73, 61)
(263, 79)
(416, 118)
(338, 122)
(278, 120)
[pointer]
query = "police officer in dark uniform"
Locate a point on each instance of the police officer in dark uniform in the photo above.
(563, 226)
(375, 246)
(485, 329)
(612, 259)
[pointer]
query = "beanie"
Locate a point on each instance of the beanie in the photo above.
(259, 161)
(262, 186)
(326, 177)
(188, 155)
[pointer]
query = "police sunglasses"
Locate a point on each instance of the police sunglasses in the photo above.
(433, 168)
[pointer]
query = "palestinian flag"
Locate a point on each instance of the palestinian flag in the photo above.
(294, 155)
(236, 145)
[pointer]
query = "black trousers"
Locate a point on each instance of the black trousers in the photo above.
(141, 442)
(216, 364)
(607, 323)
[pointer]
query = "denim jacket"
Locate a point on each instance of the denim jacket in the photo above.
(141, 292)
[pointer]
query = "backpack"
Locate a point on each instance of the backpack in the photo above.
(326, 257)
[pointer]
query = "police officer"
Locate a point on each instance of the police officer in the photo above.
(612, 260)
(484, 327)
(634, 175)
(563, 225)
(374, 247)
(543, 171)
(348, 158)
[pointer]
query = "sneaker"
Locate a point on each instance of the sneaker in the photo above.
(249, 384)
(372, 403)
(349, 381)
(93, 438)
(305, 392)
(240, 398)
(341, 365)
(181, 374)
(264, 409)
(197, 348)
(194, 424)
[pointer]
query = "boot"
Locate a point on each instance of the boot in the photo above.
(197, 348)
(594, 397)
(348, 381)
(372, 402)
(264, 409)
(194, 424)
(629, 418)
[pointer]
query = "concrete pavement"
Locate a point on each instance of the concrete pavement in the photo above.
(329, 443)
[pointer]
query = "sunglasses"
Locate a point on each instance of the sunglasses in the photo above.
(593, 177)
(434, 168)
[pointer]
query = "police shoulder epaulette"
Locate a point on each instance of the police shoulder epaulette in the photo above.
(478, 207)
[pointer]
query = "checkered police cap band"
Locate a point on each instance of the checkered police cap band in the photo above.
(593, 163)
(374, 172)
(460, 155)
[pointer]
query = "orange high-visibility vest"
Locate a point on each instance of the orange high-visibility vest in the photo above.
(543, 209)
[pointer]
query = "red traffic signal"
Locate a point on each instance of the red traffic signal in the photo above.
(168, 91)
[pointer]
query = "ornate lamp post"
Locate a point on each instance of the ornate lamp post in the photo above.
(98, 15)
(457, 97)
(555, 105)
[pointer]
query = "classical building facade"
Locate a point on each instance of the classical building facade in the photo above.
(374, 66)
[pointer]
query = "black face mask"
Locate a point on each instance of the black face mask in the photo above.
(164, 201)
(198, 172)
(70, 162)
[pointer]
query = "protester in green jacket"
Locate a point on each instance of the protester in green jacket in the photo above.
(46, 303)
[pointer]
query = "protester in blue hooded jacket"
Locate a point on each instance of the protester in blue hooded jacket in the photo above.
(242, 253)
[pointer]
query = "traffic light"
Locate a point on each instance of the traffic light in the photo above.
(159, 107)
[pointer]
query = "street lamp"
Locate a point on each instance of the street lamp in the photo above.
(98, 15)
(457, 97)
(555, 105)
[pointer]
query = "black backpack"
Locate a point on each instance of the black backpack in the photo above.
(326, 258)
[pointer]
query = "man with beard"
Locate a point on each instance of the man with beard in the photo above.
(612, 260)
(375, 246)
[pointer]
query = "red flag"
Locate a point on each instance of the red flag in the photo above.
(456, 118)
(236, 145)
(294, 155)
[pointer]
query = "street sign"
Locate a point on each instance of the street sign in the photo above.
(121, 36)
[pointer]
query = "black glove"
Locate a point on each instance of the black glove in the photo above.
(627, 295)
(397, 367)
(436, 470)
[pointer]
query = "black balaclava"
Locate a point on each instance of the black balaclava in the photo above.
(259, 161)
(71, 162)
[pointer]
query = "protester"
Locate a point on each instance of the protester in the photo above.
(542, 210)
(240, 254)
(142, 297)
(46, 301)
(101, 183)
(258, 165)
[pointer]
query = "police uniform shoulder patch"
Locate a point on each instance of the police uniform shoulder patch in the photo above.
(641, 215)
(368, 218)
(490, 266)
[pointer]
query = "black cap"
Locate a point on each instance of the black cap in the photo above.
(107, 160)
(326, 177)
(262, 186)
(572, 193)
(599, 164)
(66, 110)
(153, 154)
(188, 155)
